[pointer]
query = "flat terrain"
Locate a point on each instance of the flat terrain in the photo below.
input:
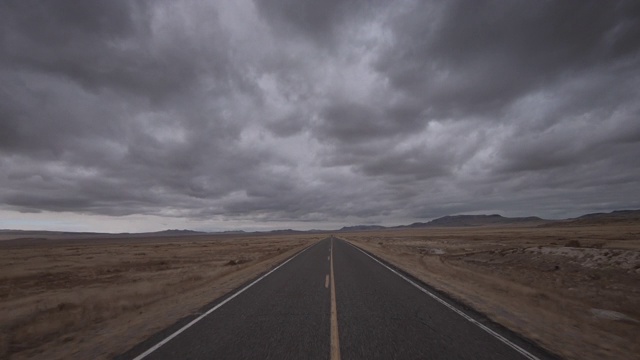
(289, 314)
(95, 298)
(575, 290)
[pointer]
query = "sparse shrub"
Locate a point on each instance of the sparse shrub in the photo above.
(572, 243)
(237, 262)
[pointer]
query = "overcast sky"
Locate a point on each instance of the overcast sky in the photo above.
(217, 115)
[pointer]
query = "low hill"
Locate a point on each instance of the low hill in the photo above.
(362, 228)
(620, 217)
(478, 220)
(33, 237)
(175, 232)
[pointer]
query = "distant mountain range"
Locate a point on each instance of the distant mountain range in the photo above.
(172, 232)
(458, 221)
(36, 235)
(477, 220)
(362, 228)
(620, 217)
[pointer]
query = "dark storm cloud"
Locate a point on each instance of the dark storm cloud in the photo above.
(92, 90)
(478, 57)
(72, 39)
(318, 21)
(348, 121)
(343, 111)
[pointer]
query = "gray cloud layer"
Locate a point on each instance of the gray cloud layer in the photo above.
(311, 111)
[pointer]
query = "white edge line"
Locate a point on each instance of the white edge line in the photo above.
(517, 348)
(178, 332)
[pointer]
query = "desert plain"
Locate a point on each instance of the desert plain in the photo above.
(91, 298)
(574, 290)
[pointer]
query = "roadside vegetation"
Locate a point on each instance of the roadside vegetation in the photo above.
(96, 298)
(575, 290)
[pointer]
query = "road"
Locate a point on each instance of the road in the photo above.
(333, 301)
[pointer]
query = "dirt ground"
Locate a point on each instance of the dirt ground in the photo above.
(574, 290)
(93, 299)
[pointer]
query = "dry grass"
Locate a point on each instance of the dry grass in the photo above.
(97, 298)
(574, 290)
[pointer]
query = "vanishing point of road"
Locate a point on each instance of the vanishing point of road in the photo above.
(333, 301)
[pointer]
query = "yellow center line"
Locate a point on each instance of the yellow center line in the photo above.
(335, 341)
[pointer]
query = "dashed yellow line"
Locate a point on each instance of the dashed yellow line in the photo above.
(335, 341)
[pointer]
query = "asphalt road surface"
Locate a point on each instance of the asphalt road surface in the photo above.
(333, 301)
